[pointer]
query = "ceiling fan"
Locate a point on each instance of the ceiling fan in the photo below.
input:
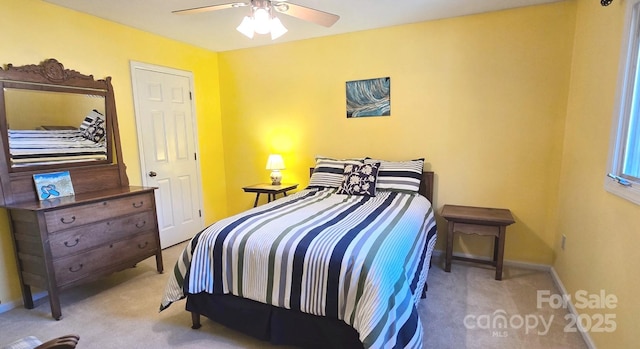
(263, 19)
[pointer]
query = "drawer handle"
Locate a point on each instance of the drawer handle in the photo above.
(71, 269)
(73, 219)
(140, 246)
(141, 224)
(138, 205)
(66, 243)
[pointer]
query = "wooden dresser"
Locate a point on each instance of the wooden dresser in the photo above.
(83, 237)
(106, 225)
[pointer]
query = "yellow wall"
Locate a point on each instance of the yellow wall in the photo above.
(601, 228)
(34, 30)
(482, 98)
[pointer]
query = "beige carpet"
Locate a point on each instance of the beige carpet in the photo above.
(121, 311)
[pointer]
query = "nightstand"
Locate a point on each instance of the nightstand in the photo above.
(270, 190)
(481, 221)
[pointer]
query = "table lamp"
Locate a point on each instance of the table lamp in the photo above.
(275, 163)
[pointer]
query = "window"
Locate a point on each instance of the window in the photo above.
(623, 178)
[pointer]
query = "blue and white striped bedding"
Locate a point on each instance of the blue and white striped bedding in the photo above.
(360, 259)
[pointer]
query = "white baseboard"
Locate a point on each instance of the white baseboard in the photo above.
(4, 307)
(572, 309)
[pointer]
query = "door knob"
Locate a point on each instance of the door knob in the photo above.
(152, 174)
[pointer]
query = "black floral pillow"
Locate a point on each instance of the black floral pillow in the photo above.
(93, 127)
(359, 179)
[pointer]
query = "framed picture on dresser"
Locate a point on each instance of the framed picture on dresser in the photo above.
(52, 185)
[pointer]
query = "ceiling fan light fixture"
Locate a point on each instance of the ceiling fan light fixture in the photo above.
(246, 27)
(261, 21)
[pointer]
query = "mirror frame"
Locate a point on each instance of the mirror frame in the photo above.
(51, 76)
(16, 183)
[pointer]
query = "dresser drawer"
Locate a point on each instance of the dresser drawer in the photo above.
(79, 215)
(74, 240)
(94, 261)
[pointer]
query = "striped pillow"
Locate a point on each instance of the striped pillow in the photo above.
(399, 175)
(328, 172)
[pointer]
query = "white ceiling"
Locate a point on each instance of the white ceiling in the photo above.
(215, 30)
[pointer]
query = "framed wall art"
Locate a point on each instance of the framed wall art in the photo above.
(370, 97)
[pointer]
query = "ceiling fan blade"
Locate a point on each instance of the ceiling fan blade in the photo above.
(210, 8)
(306, 13)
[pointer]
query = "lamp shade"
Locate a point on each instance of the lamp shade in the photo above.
(246, 27)
(277, 29)
(275, 162)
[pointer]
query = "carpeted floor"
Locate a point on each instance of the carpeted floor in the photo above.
(462, 310)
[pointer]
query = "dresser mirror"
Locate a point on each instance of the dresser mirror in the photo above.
(28, 109)
(52, 117)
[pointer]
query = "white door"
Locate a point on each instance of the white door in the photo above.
(168, 144)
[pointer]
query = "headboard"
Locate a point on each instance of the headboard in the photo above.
(426, 184)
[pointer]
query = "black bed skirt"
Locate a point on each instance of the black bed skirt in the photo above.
(276, 325)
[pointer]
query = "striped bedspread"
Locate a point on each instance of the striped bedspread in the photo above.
(360, 259)
(53, 146)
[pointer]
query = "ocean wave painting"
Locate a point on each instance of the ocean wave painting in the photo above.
(371, 97)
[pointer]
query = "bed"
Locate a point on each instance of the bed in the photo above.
(326, 267)
(43, 147)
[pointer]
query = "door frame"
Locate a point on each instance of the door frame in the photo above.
(135, 65)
